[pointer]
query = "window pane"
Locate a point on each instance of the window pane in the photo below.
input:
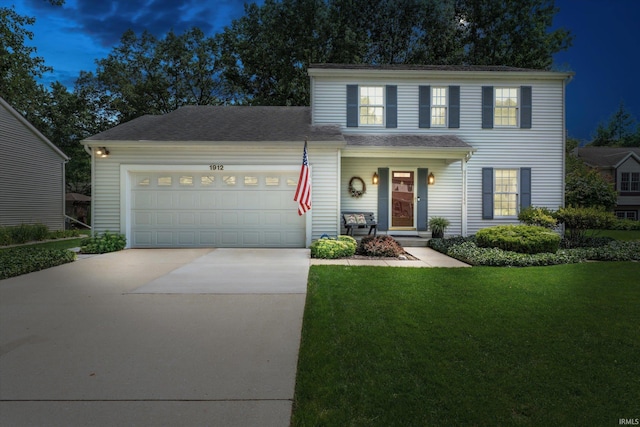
(143, 181)
(272, 180)
(186, 180)
(438, 116)
(164, 181)
(229, 179)
(292, 182)
(207, 180)
(251, 180)
(439, 96)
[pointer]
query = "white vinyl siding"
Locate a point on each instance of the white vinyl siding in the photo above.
(540, 148)
(31, 176)
(107, 187)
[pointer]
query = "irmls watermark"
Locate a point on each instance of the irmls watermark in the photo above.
(629, 421)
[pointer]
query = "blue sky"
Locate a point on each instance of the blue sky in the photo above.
(604, 54)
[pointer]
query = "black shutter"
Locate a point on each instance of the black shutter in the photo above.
(487, 107)
(454, 107)
(422, 196)
(392, 106)
(424, 107)
(525, 107)
(352, 105)
(487, 193)
(525, 188)
(383, 199)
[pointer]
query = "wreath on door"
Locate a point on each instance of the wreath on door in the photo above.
(358, 189)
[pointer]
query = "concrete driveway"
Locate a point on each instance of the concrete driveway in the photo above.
(154, 338)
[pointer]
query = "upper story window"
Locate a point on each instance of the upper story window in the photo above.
(438, 106)
(506, 107)
(630, 181)
(372, 105)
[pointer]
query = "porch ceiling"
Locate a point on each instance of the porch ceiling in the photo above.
(403, 145)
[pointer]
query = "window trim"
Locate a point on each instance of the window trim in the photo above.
(633, 186)
(515, 193)
(433, 106)
(518, 107)
(382, 106)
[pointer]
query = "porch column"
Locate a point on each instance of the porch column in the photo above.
(463, 201)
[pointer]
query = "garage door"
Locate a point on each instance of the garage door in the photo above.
(215, 209)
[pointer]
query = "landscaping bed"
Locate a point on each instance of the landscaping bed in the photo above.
(22, 260)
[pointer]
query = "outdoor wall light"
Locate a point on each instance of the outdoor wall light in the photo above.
(375, 178)
(431, 179)
(102, 152)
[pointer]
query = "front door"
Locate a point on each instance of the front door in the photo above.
(403, 200)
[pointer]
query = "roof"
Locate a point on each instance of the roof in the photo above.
(413, 67)
(406, 140)
(606, 157)
(224, 123)
(419, 71)
(32, 129)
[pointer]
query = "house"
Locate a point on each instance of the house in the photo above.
(621, 166)
(32, 170)
(473, 144)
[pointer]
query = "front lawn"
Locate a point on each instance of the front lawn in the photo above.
(552, 345)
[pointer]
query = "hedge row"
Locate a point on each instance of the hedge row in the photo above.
(465, 249)
(22, 260)
(17, 235)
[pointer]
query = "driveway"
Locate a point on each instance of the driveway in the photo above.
(154, 338)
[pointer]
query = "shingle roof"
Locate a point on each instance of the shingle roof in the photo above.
(224, 123)
(422, 67)
(405, 140)
(605, 157)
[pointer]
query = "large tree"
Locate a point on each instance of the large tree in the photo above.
(266, 52)
(622, 130)
(147, 75)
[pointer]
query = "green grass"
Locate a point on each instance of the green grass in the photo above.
(479, 346)
(625, 235)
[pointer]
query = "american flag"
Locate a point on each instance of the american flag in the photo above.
(303, 192)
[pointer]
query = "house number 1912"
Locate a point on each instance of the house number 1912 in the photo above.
(216, 167)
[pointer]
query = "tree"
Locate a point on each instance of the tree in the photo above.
(266, 52)
(146, 75)
(622, 130)
(19, 66)
(587, 188)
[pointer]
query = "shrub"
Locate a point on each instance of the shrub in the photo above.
(578, 220)
(342, 247)
(380, 246)
(107, 242)
(626, 225)
(17, 261)
(528, 239)
(61, 234)
(438, 226)
(540, 216)
(587, 188)
(22, 233)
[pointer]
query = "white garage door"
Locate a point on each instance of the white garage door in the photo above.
(215, 209)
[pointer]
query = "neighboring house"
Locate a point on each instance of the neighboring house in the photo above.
(491, 139)
(32, 187)
(621, 166)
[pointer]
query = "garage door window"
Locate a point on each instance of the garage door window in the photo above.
(164, 181)
(272, 181)
(292, 182)
(186, 180)
(229, 180)
(207, 180)
(251, 180)
(143, 181)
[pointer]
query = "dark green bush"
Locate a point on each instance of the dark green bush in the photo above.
(342, 247)
(540, 216)
(17, 261)
(62, 234)
(527, 239)
(626, 225)
(22, 233)
(380, 246)
(578, 221)
(107, 242)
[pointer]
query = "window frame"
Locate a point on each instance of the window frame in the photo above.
(382, 105)
(498, 204)
(434, 106)
(632, 185)
(517, 108)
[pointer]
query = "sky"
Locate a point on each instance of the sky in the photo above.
(605, 55)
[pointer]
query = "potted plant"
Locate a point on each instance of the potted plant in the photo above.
(438, 225)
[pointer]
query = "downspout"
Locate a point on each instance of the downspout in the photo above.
(64, 193)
